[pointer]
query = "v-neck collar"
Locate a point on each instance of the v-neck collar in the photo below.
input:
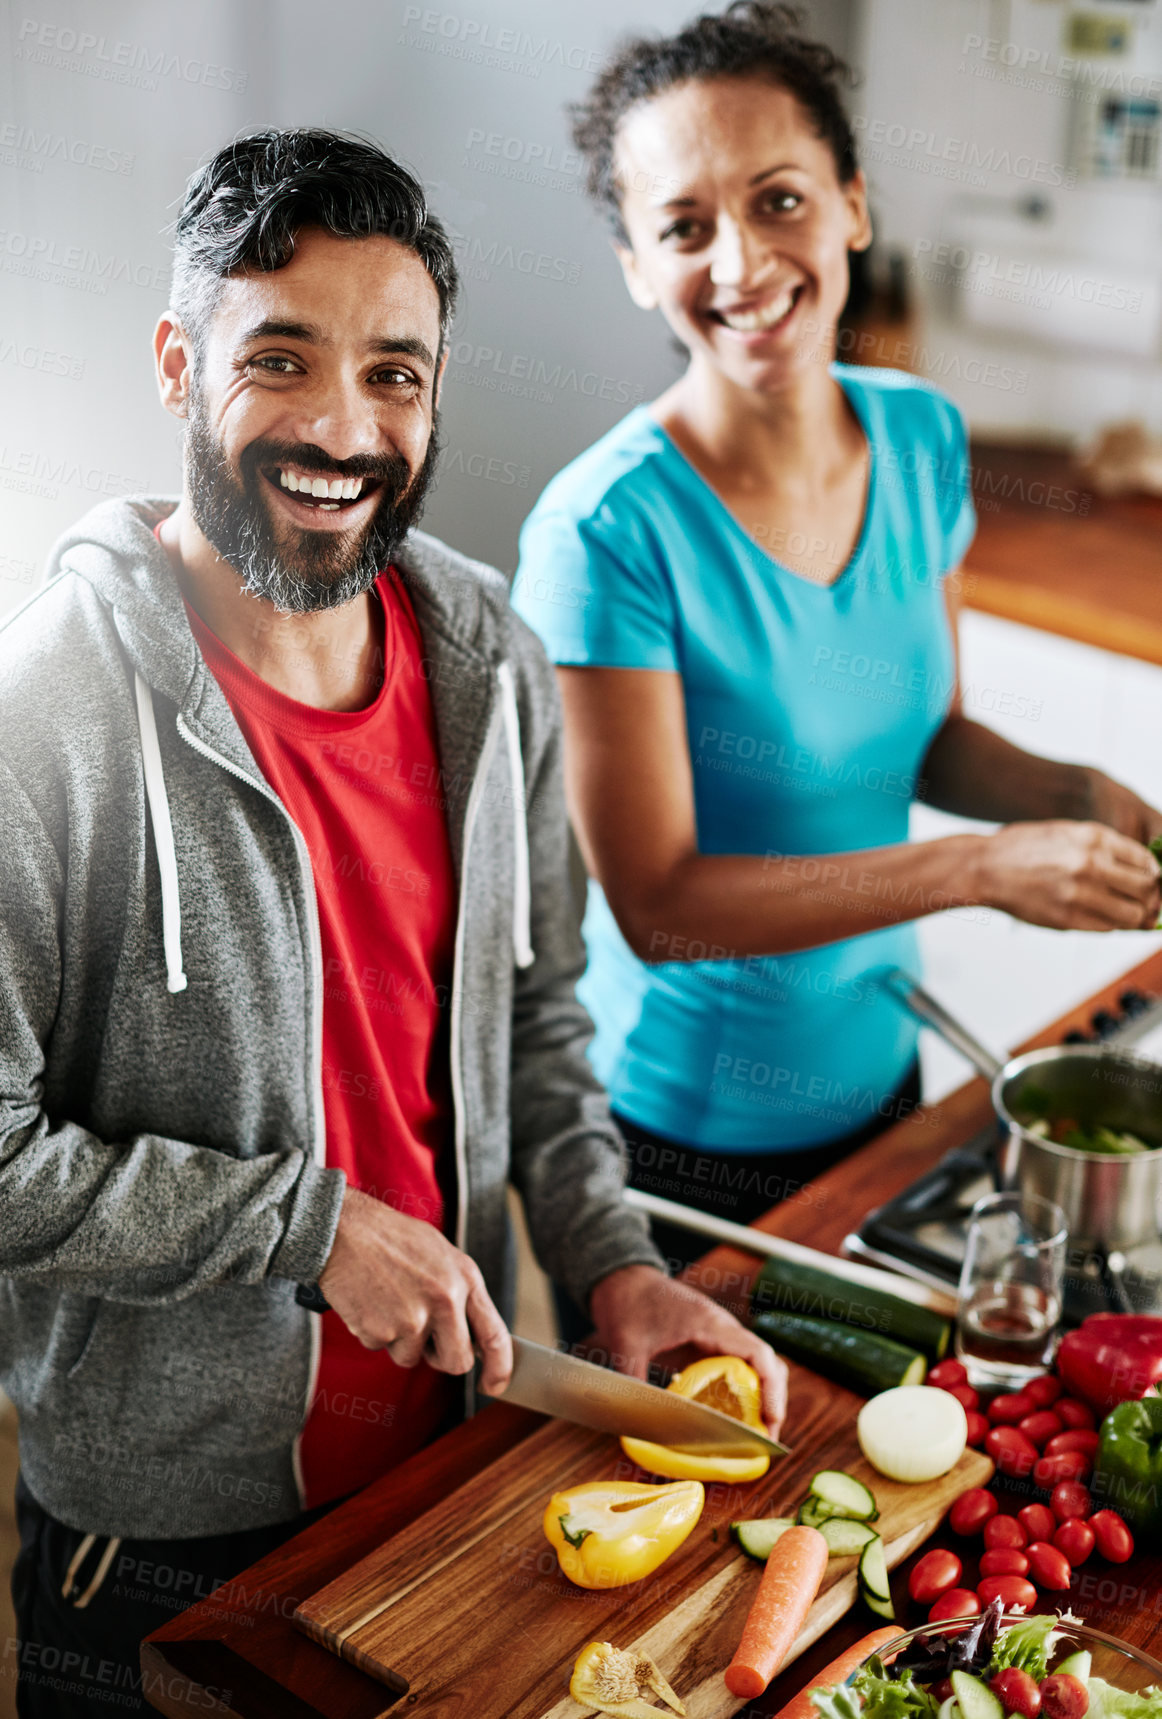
(740, 530)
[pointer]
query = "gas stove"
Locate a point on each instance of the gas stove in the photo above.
(922, 1231)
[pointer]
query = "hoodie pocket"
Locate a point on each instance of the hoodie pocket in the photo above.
(86, 1328)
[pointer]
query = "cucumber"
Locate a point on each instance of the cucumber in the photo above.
(861, 1360)
(873, 1579)
(816, 1293)
(813, 1513)
(974, 1698)
(845, 1537)
(948, 1709)
(757, 1536)
(1078, 1665)
(845, 1495)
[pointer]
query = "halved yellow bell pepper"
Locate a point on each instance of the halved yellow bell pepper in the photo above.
(723, 1382)
(609, 1532)
(613, 1680)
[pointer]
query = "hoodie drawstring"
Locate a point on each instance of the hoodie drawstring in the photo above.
(99, 1574)
(167, 861)
(522, 946)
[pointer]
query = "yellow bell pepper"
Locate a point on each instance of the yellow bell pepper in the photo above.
(722, 1382)
(609, 1532)
(613, 1680)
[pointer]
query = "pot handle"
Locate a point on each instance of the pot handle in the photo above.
(911, 994)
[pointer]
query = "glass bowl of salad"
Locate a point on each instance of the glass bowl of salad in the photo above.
(1000, 1666)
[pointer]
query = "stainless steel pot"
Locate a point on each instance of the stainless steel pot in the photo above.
(1111, 1203)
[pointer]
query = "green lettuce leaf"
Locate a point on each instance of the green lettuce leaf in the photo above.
(1106, 1702)
(1028, 1644)
(836, 1703)
(872, 1694)
(899, 1697)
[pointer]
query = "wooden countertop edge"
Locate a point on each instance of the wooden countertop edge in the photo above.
(1056, 611)
(194, 1639)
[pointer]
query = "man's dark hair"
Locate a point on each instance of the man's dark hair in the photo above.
(246, 207)
(751, 38)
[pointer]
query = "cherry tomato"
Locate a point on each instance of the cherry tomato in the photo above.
(1010, 1590)
(946, 1373)
(1068, 1499)
(1114, 1540)
(1004, 1561)
(968, 1399)
(977, 1428)
(972, 1510)
(956, 1603)
(1018, 1691)
(1040, 1426)
(1073, 1413)
(1004, 1531)
(935, 1573)
(1038, 1521)
(1049, 1471)
(1013, 1453)
(1044, 1390)
(1048, 1567)
(1077, 1438)
(942, 1690)
(1076, 1539)
(1010, 1408)
(1064, 1697)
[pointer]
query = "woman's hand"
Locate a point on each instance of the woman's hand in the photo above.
(1114, 804)
(1071, 876)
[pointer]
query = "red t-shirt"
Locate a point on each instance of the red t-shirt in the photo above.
(364, 787)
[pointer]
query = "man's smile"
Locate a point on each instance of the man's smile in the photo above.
(322, 498)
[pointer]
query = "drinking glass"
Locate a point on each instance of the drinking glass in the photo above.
(1009, 1305)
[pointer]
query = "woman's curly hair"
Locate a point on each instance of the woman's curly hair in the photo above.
(751, 38)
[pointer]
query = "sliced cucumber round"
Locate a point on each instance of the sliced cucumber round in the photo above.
(845, 1495)
(873, 1579)
(758, 1535)
(975, 1699)
(1077, 1665)
(845, 1536)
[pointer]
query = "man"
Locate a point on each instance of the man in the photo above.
(287, 953)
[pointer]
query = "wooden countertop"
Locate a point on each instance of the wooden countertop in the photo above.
(238, 1654)
(1051, 554)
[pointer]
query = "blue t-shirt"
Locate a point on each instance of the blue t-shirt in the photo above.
(809, 710)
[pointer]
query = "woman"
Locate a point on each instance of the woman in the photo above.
(748, 587)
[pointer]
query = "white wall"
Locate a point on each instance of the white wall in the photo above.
(969, 109)
(471, 98)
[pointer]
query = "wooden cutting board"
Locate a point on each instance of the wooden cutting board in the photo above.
(466, 1612)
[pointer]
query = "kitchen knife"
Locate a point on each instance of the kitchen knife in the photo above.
(559, 1384)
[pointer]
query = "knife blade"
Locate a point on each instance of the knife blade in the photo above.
(563, 1385)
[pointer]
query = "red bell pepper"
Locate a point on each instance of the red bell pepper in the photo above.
(1112, 1358)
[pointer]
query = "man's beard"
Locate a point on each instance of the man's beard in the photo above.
(299, 571)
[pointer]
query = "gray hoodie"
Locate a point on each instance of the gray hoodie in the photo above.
(163, 1187)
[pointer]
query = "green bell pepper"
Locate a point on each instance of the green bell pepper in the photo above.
(1128, 1476)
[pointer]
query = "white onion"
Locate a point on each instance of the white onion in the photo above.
(912, 1432)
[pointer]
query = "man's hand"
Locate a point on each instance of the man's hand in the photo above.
(639, 1312)
(399, 1285)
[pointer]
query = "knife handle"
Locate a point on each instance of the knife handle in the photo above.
(310, 1296)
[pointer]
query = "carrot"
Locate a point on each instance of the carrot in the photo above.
(790, 1581)
(801, 1706)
